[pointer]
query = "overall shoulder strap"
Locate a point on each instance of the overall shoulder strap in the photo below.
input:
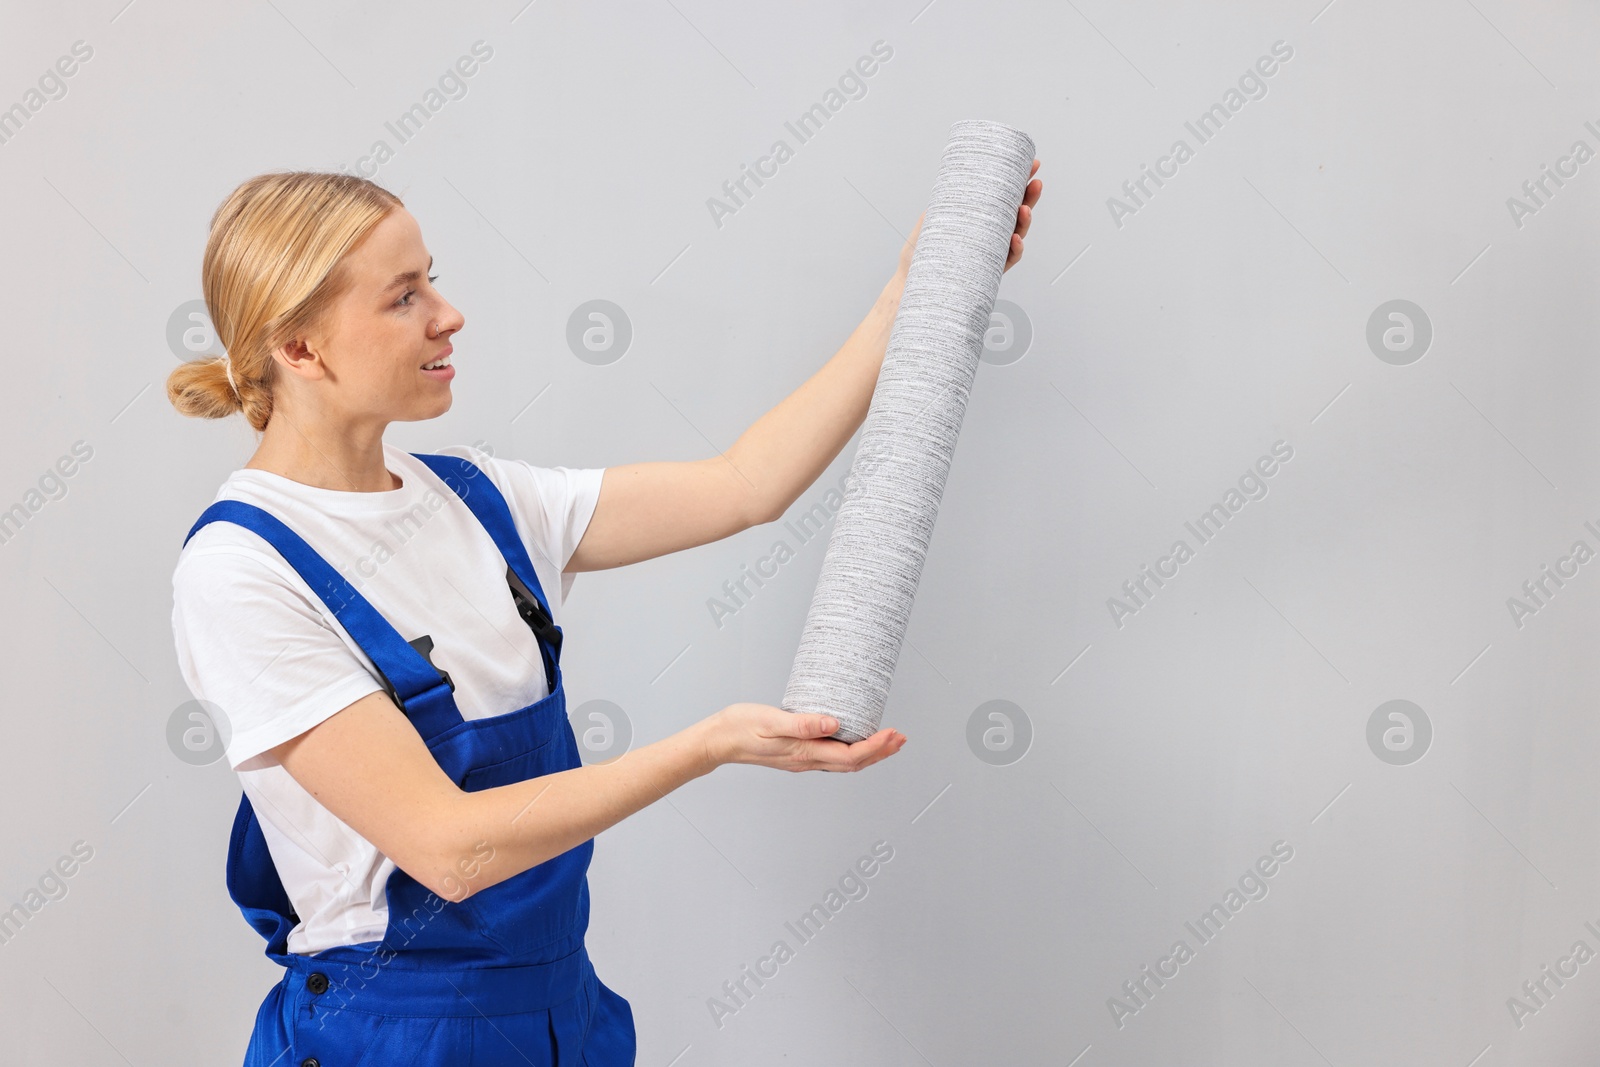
(489, 506)
(421, 690)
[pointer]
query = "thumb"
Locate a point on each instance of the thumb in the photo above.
(818, 725)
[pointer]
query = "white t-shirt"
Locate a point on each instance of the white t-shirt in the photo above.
(253, 639)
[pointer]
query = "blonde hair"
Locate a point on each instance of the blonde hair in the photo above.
(272, 268)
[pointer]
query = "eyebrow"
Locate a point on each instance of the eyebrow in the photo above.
(407, 278)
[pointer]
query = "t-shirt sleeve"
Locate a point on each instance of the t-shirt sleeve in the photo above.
(252, 644)
(552, 504)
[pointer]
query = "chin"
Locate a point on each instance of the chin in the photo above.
(431, 410)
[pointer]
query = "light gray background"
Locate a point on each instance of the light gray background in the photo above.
(1167, 355)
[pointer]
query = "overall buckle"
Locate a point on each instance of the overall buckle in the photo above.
(546, 633)
(424, 645)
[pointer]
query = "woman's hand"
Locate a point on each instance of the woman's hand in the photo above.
(1030, 197)
(766, 736)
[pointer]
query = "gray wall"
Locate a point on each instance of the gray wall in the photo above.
(1144, 762)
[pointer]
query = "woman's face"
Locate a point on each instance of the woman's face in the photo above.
(379, 334)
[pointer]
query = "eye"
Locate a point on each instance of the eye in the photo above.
(409, 293)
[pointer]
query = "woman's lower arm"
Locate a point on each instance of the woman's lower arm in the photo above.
(495, 834)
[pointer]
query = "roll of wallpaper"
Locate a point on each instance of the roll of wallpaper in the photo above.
(862, 603)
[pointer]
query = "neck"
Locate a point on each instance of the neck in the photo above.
(344, 457)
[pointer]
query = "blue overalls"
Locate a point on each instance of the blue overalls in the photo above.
(501, 977)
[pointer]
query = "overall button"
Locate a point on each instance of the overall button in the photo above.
(310, 1061)
(317, 982)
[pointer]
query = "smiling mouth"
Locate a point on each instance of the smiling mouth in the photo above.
(438, 364)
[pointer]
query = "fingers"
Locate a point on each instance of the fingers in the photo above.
(800, 741)
(1024, 218)
(1030, 194)
(879, 746)
(830, 755)
(1014, 253)
(1030, 197)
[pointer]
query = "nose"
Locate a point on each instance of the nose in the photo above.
(450, 320)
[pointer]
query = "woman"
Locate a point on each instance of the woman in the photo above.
(416, 824)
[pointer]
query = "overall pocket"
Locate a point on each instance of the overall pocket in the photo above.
(530, 764)
(547, 906)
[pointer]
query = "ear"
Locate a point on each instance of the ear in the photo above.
(300, 357)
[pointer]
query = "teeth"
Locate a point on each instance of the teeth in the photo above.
(445, 362)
